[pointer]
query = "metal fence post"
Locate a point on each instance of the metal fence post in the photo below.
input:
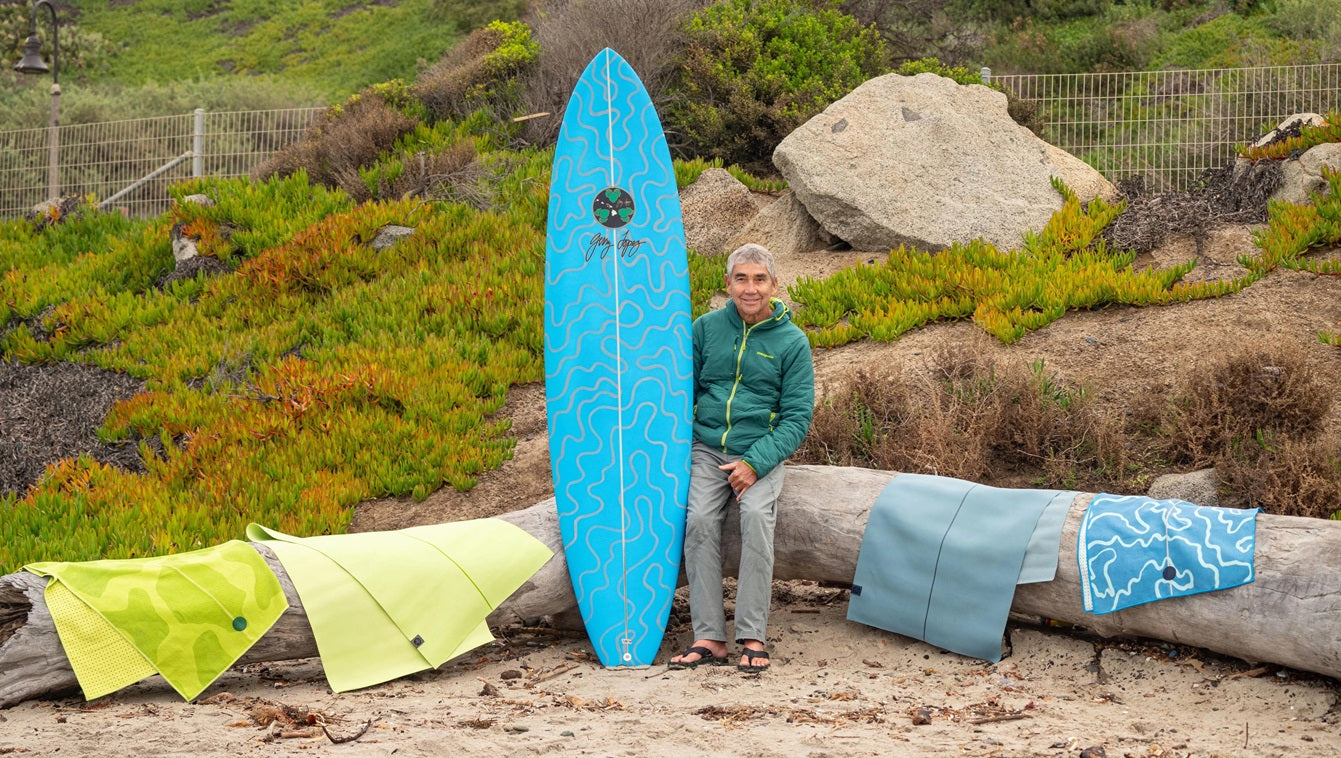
(198, 145)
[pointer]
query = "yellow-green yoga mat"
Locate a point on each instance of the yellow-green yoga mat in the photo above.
(386, 604)
(187, 616)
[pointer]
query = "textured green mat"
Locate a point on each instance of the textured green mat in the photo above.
(187, 616)
(386, 604)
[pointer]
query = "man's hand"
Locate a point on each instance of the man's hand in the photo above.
(741, 476)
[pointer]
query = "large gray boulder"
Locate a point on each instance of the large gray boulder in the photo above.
(927, 162)
(784, 227)
(715, 207)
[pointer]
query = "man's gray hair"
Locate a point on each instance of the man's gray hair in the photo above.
(751, 253)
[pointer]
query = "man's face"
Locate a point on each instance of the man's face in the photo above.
(751, 287)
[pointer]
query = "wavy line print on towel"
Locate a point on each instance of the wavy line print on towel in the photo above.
(1134, 549)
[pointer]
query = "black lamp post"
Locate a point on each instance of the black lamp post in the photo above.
(32, 63)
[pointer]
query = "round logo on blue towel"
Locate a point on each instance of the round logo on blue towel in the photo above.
(613, 207)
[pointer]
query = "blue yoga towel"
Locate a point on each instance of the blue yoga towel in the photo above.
(940, 559)
(1134, 550)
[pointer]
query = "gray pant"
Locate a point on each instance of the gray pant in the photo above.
(709, 494)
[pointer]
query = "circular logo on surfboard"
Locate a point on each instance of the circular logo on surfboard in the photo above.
(613, 207)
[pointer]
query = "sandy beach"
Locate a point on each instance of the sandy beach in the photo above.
(836, 688)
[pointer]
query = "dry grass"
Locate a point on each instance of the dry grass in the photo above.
(449, 173)
(971, 417)
(346, 138)
(1231, 405)
(1289, 478)
(645, 32)
(1256, 416)
(461, 81)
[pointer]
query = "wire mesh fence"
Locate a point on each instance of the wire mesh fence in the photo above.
(130, 164)
(1171, 126)
(1168, 126)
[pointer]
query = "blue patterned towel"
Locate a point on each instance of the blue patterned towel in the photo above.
(1135, 550)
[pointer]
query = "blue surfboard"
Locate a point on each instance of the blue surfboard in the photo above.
(618, 361)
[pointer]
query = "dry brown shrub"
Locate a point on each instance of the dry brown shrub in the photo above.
(1291, 478)
(570, 33)
(460, 81)
(346, 138)
(1227, 404)
(969, 416)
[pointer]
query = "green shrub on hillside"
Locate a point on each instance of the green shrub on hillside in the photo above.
(84, 53)
(751, 72)
(481, 72)
(1229, 41)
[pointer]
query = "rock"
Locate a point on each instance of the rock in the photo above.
(1198, 487)
(922, 716)
(183, 246)
(389, 235)
(1096, 751)
(205, 201)
(927, 162)
(1303, 177)
(784, 227)
(1290, 124)
(715, 207)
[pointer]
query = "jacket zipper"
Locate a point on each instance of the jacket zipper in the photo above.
(744, 340)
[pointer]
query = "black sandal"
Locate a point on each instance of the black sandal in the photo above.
(751, 656)
(705, 657)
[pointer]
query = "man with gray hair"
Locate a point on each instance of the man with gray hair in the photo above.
(754, 395)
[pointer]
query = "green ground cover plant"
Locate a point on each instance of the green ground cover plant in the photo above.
(1066, 266)
(315, 372)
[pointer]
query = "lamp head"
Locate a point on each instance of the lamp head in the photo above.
(32, 62)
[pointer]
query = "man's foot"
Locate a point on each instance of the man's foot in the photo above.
(753, 659)
(701, 653)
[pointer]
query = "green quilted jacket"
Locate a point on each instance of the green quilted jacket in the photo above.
(754, 385)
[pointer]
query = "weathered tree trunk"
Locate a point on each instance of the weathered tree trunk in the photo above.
(1290, 615)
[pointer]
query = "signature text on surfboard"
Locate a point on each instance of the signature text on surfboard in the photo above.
(599, 244)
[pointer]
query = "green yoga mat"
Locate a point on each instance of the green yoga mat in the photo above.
(386, 604)
(187, 616)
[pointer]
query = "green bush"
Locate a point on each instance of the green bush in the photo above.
(481, 72)
(83, 52)
(751, 72)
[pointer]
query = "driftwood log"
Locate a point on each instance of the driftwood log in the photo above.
(1290, 615)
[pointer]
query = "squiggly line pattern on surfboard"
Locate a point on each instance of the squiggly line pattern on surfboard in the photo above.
(618, 400)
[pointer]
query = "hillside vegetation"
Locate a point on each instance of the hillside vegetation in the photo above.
(138, 58)
(306, 371)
